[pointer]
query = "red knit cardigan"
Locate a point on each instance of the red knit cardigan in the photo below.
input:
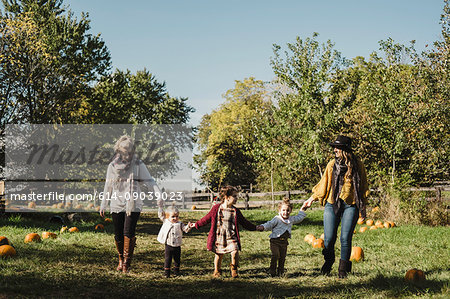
(212, 217)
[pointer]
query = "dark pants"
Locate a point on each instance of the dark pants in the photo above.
(278, 246)
(124, 225)
(347, 217)
(172, 252)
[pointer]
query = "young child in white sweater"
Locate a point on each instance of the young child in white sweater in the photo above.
(171, 235)
(281, 226)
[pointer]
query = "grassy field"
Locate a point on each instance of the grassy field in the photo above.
(82, 264)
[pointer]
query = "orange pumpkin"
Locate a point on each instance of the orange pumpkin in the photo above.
(90, 206)
(193, 207)
(7, 251)
(48, 235)
(387, 224)
(379, 225)
(33, 237)
(108, 220)
(392, 223)
(357, 254)
(360, 220)
(369, 222)
(99, 227)
(309, 238)
(318, 243)
(63, 229)
(74, 229)
(415, 276)
(4, 241)
(378, 222)
(32, 205)
(362, 229)
(373, 227)
(376, 209)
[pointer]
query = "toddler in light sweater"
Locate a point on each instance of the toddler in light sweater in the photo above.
(171, 235)
(281, 226)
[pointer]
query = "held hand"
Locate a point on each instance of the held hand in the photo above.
(260, 228)
(191, 225)
(308, 203)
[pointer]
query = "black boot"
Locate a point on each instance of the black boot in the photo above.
(329, 261)
(344, 268)
(176, 271)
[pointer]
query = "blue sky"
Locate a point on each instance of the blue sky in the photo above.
(200, 47)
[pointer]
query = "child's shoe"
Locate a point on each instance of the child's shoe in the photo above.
(234, 271)
(176, 271)
(167, 273)
(217, 273)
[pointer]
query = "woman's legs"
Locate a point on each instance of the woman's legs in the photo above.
(118, 222)
(129, 230)
(330, 226)
(348, 223)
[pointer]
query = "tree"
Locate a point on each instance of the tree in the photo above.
(122, 98)
(227, 137)
(47, 82)
(306, 116)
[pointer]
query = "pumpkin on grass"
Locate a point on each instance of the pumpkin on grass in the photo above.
(318, 243)
(99, 227)
(357, 254)
(414, 276)
(74, 229)
(63, 229)
(362, 229)
(309, 238)
(369, 222)
(33, 237)
(193, 207)
(48, 235)
(373, 227)
(7, 251)
(360, 220)
(109, 220)
(387, 224)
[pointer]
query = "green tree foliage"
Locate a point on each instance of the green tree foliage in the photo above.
(226, 137)
(48, 82)
(139, 98)
(305, 115)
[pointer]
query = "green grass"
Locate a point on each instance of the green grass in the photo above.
(82, 264)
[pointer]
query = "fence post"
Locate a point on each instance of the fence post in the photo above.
(438, 193)
(246, 200)
(2, 198)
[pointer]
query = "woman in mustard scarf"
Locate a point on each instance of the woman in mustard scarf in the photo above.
(343, 191)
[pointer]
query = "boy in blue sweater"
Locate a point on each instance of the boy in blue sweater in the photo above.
(281, 226)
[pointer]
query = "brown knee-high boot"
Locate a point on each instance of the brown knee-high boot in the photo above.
(128, 249)
(119, 247)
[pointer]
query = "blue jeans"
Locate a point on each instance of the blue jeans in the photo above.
(347, 216)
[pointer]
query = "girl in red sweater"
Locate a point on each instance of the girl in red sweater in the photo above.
(223, 235)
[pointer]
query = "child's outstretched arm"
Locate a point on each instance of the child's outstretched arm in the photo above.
(204, 220)
(269, 225)
(299, 217)
(161, 215)
(186, 227)
(244, 222)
